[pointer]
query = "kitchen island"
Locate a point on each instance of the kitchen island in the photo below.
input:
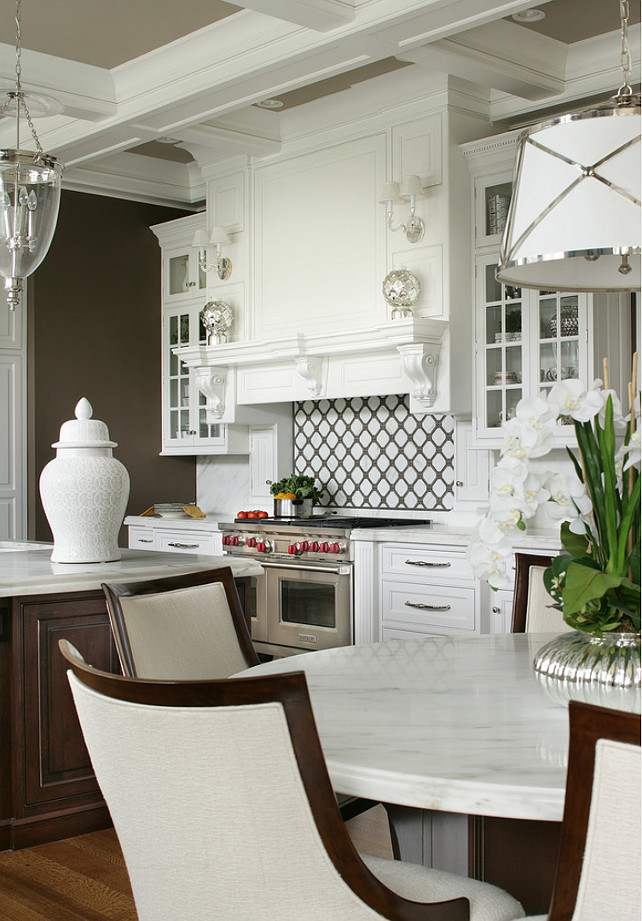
(47, 787)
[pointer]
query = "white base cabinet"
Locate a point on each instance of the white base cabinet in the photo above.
(197, 538)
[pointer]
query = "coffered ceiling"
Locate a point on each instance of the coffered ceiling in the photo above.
(151, 91)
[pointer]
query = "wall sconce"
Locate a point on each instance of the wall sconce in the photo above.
(217, 238)
(411, 189)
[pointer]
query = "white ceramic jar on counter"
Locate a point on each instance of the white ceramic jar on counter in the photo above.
(84, 491)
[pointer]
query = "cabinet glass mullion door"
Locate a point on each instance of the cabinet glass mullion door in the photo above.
(178, 379)
(559, 353)
(503, 348)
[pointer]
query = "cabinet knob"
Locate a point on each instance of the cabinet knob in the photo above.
(496, 610)
(459, 482)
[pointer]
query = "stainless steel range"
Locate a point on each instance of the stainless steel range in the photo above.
(304, 599)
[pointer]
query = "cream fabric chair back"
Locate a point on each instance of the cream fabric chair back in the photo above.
(182, 634)
(181, 628)
(540, 616)
(610, 881)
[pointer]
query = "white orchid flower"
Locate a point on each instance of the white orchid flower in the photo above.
(534, 491)
(522, 441)
(633, 449)
(507, 477)
(507, 512)
(490, 563)
(568, 497)
(571, 398)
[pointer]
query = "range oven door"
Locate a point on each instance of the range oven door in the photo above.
(308, 606)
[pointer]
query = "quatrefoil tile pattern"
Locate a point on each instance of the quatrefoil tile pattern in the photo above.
(371, 452)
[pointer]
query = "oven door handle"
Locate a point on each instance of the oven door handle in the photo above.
(336, 570)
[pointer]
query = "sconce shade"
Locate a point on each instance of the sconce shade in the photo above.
(201, 240)
(29, 201)
(219, 235)
(389, 192)
(574, 218)
(411, 186)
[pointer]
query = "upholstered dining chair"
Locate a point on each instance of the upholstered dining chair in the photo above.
(598, 870)
(222, 803)
(181, 627)
(532, 612)
(188, 627)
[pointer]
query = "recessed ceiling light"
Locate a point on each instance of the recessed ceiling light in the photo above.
(270, 104)
(529, 16)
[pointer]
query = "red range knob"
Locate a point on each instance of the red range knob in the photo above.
(261, 546)
(292, 548)
(334, 548)
(314, 546)
(226, 539)
(234, 541)
(324, 546)
(304, 545)
(251, 541)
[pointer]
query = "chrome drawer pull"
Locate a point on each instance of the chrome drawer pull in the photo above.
(184, 546)
(428, 607)
(426, 563)
(144, 540)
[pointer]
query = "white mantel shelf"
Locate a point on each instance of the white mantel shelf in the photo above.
(26, 569)
(401, 356)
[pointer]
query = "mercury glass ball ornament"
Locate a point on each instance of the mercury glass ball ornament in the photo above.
(401, 289)
(217, 317)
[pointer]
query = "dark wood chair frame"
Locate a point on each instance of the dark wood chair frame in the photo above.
(114, 592)
(291, 691)
(523, 563)
(588, 724)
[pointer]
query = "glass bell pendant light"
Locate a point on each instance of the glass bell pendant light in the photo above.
(29, 195)
(574, 218)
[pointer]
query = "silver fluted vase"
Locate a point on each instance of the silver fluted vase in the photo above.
(597, 670)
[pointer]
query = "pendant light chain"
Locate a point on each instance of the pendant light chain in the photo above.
(625, 55)
(19, 95)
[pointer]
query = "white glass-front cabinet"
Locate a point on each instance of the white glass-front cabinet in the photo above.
(185, 423)
(525, 340)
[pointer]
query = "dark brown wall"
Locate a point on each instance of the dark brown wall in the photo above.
(95, 331)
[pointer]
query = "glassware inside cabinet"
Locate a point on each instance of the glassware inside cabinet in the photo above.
(179, 274)
(496, 202)
(559, 357)
(503, 334)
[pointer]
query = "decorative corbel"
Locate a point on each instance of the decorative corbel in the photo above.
(311, 370)
(420, 361)
(212, 382)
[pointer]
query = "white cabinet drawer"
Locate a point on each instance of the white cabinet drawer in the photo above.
(408, 605)
(423, 563)
(142, 539)
(188, 542)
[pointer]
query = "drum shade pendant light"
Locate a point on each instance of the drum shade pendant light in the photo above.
(574, 219)
(29, 191)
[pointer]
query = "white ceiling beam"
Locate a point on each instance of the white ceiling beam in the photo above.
(86, 92)
(318, 15)
(500, 55)
(227, 140)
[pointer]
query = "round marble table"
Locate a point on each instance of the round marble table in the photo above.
(456, 724)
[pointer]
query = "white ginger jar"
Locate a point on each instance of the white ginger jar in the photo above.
(84, 491)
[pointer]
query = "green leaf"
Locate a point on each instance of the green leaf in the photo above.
(575, 544)
(584, 584)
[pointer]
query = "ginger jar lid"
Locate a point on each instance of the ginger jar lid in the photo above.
(83, 431)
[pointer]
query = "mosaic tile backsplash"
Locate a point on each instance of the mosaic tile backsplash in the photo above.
(371, 452)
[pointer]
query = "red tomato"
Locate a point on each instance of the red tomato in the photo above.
(241, 514)
(251, 515)
(262, 515)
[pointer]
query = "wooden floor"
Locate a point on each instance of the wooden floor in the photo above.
(84, 878)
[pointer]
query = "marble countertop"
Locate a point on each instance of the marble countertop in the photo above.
(454, 536)
(457, 724)
(209, 523)
(26, 568)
